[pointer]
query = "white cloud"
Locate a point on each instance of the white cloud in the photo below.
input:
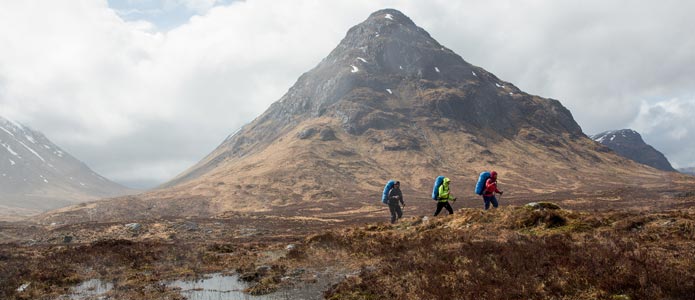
(93, 82)
(669, 124)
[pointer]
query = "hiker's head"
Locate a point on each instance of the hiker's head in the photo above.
(397, 184)
(446, 180)
(493, 175)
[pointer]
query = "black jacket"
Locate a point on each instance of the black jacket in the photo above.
(393, 200)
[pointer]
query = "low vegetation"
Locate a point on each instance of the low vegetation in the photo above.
(522, 253)
(531, 252)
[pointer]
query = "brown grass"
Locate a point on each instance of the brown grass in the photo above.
(524, 254)
(507, 253)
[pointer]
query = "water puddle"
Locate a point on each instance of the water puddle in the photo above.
(217, 287)
(90, 289)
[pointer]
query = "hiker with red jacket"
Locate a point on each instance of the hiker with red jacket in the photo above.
(490, 190)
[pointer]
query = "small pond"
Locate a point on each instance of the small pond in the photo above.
(218, 286)
(90, 289)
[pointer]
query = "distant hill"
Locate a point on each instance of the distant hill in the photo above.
(37, 175)
(630, 144)
(690, 170)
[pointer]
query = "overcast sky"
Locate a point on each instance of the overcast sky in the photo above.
(140, 90)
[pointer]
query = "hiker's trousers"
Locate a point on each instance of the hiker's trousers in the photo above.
(488, 200)
(396, 212)
(446, 205)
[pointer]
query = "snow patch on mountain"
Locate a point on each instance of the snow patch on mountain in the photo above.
(9, 149)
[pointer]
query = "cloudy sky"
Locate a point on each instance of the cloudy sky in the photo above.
(140, 90)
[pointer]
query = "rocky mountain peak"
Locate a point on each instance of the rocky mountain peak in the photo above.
(390, 84)
(629, 143)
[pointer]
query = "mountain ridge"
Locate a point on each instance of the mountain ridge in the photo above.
(37, 175)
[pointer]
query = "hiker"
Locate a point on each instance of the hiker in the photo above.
(394, 197)
(490, 190)
(444, 197)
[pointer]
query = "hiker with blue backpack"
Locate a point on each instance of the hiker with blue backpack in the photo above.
(440, 193)
(487, 187)
(393, 197)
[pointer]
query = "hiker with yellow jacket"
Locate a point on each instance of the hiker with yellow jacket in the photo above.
(443, 197)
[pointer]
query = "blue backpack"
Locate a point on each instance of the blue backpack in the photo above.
(435, 189)
(480, 186)
(387, 188)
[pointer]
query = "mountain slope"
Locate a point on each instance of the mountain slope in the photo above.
(390, 102)
(37, 175)
(630, 144)
(400, 105)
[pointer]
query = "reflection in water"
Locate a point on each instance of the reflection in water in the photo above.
(217, 287)
(90, 289)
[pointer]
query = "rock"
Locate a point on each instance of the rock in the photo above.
(297, 272)
(291, 247)
(264, 269)
(306, 133)
(541, 205)
(189, 226)
(249, 276)
(133, 226)
(23, 287)
(327, 134)
(67, 239)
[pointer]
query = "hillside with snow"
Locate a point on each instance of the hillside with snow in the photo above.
(37, 175)
(629, 143)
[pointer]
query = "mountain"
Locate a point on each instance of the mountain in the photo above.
(388, 102)
(630, 144)
(36, 175)
(690, 170)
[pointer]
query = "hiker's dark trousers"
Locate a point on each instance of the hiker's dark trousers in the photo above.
(446, 205)
(396, 212)
(488, 200)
